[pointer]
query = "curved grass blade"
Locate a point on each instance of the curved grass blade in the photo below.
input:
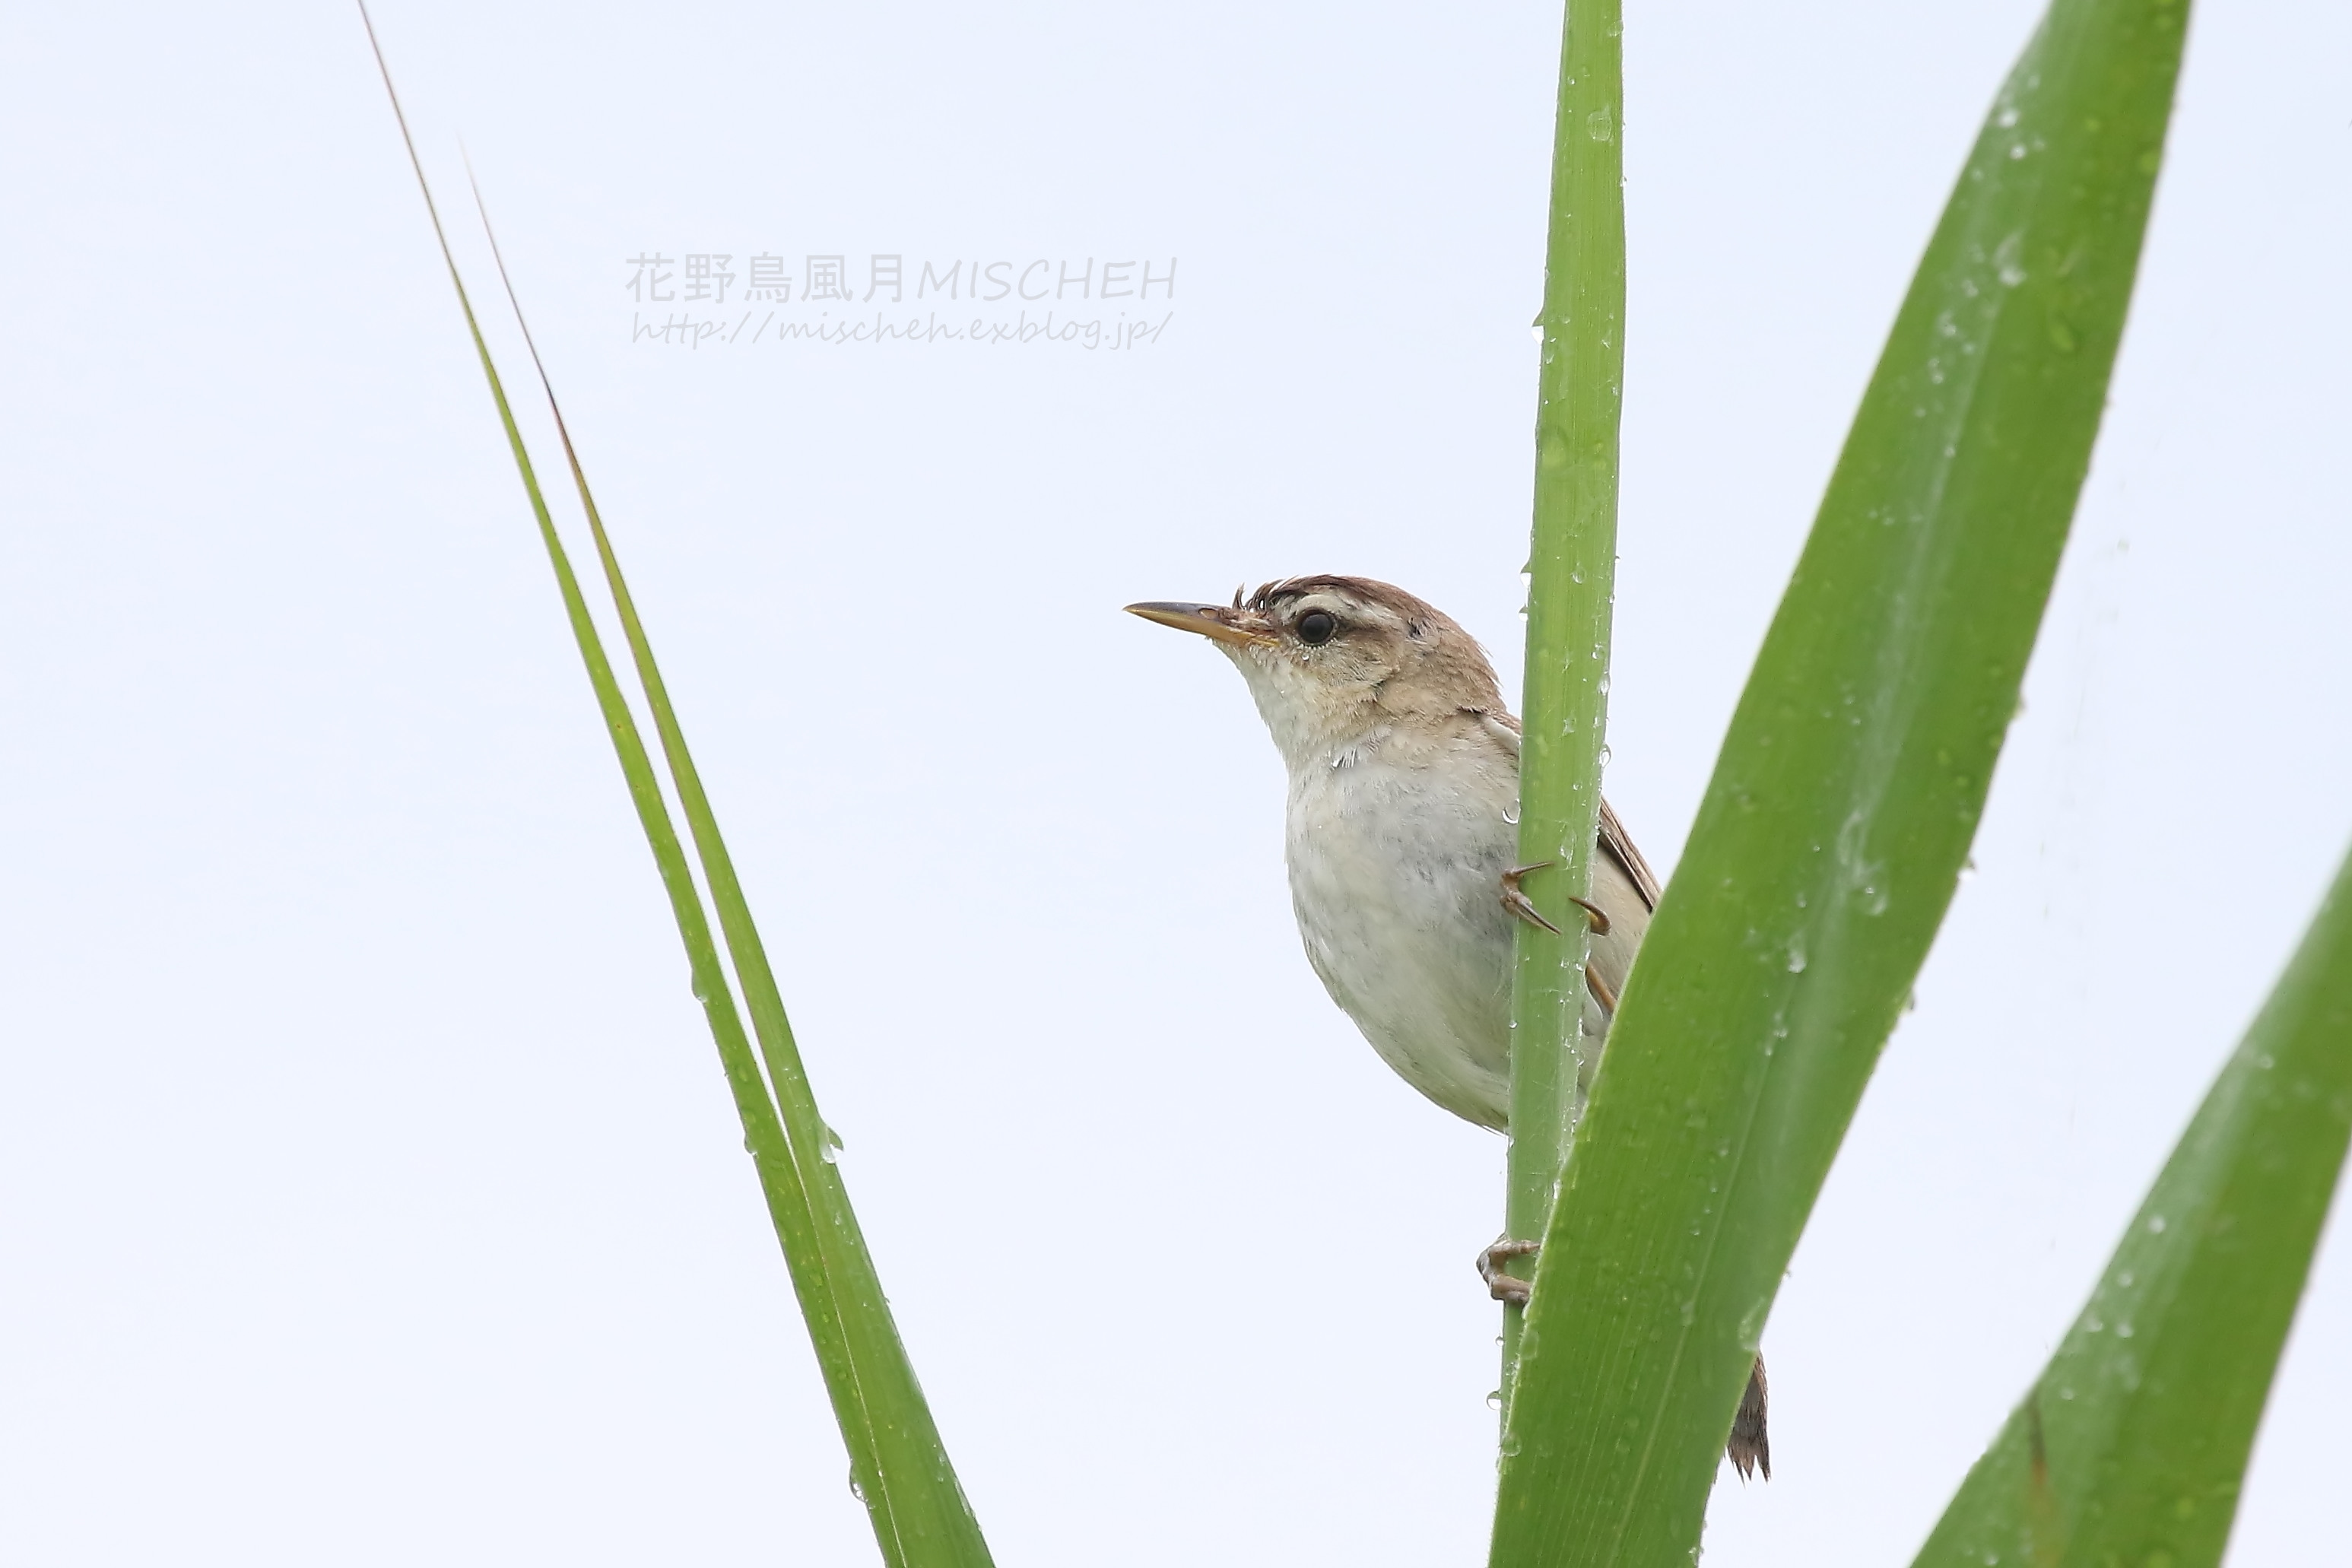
(2132, 1444)
(1571, 580)
(919, 1516)
(914, 1491)
(1832, 834)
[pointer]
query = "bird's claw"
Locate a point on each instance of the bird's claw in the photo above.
(1515, 898)
(1518, 903)
(1493, 1264)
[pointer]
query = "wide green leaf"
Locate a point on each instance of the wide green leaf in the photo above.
(1833, 831)
(898, 1463)
(2131, 1446)
(1571, 580)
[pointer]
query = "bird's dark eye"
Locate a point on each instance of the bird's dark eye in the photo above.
(1315, 627)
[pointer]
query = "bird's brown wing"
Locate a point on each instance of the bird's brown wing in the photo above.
(1615, 841)
(1618, 844)
(1503, 727)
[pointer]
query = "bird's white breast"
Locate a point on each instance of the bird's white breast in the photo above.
(1396, 874)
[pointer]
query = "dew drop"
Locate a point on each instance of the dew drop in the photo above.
(2008, 260)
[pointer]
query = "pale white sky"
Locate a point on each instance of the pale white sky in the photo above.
(368, 1190)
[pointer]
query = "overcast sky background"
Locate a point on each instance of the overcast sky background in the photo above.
(368, 1192)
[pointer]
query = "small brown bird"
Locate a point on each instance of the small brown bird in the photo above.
(1399, 837)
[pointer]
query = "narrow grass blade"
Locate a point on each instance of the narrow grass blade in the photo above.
(1832, 834)
(1571, 578)
(919, 1512)
(914, 1494)
(2131, 1446)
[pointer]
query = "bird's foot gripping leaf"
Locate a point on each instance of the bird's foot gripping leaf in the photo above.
(1515, 898)
(1515, 901)
(1494, 1265)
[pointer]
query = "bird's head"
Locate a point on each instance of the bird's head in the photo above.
(1334, 660)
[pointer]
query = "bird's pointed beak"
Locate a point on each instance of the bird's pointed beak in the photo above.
(1215, 622)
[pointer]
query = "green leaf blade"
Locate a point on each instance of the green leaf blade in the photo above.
(912, 1495)
(2132, 1445)
(1571, 583)
(1832, 834)
(898, 1466)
